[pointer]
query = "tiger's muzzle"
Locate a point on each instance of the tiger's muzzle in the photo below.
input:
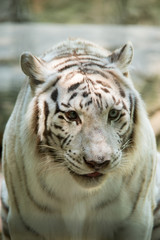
(97, 164)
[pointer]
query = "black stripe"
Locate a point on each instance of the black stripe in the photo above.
(82, 59)
(87, 80)
(36, 81)
(104, 84)
(66, 105)
(133, 108)
(65, 140)
(58, 78)
(132, 137)
(35, 118)
(88, 103)
(52, 84)
(105, 90)
(121, 91)
(73, 96)
(137, 196)
(91, 59)
(94, 64)
(83, 88)
(113, 97)
(85, 94)
(98, 104)
(124, 124)
(57, 110)
(64, 62)
(57, 127)
(67, 67)
(54, 95)
(49, 192)
(98, 94)
(81, 106)
(42, 208)
(131, 105)
(98, 72)
(46, 113)
(59, 137)
(74, 86)
(124, 105)
(68, 142)
(72, 161)
(61, 117)
(120, 116)
(5, 231)
(135, 111)
(27, 227)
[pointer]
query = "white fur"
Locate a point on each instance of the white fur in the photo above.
(76, 212)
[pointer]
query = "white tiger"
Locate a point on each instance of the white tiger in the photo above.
(79, 154)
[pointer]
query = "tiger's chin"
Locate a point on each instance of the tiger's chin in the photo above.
(88, 180)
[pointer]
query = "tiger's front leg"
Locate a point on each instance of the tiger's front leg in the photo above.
(19, 230)
(136, 231)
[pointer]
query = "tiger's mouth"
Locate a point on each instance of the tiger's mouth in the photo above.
(88, 180)
(93, 175)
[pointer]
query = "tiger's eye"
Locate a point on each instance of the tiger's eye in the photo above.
(71, 115)
(113, 114)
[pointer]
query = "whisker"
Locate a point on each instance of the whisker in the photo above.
(126, 144)
(47, 167)
(51, 163)
(48, 146)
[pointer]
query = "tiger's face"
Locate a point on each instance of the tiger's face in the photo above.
(85, 119)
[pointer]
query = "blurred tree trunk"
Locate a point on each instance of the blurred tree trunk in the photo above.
(38, 5)
(14, 10)
(121, 8)
(20, 10)
(98, 6)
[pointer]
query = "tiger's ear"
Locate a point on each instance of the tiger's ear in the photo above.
(33, 67)
(122, 57)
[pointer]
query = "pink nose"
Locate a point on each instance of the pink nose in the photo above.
(97, 164)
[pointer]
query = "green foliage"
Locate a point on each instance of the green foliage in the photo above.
(97, 11)
(7, 100)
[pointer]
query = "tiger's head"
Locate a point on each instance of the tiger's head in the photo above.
(84, 108)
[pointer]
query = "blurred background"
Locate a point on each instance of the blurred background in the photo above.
(36, 25)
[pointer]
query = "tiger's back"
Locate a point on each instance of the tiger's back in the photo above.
(79, 154)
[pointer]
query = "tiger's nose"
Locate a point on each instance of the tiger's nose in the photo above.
(100, 163)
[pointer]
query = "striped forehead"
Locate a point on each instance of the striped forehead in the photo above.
(80, 90)
(75, 48)
(90, 67)
(78, 61)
